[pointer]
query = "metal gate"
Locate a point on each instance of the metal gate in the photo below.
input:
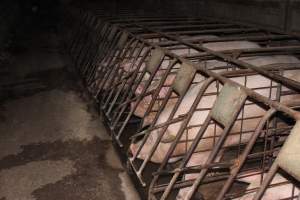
(146, 66)
(227, 171)
(189, 79)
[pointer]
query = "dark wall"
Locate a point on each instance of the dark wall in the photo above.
(282, 15)
(266, 13)
(9, 16)
(293, 17)
(40, 13)
(191, 8)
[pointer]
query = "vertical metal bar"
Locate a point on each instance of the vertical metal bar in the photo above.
(212, 155)
(112, 67)
(181, 131)
(142, 96)
(161, 134)
(113, 70)
(109, 92)
(163, 79)
(131, 88)
(111, 49)
(83, 50)
(266, 181)
(96, 42)
(137, 102)
(80, 31)
(187, 157)
(242, 158)
(89, 43)
(101, 49)
(118, 113)
(132, 78)
(164, 103)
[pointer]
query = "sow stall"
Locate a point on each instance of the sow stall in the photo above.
(151, 61)
(225, 136)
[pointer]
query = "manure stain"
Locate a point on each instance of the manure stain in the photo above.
(94, 178)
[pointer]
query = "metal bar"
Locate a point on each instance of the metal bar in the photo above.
(156, 93)
(242, 158)
(112, 67)
(134, 75)
(249, 52)
(212, 31)
(214, 151)
(232, 38)
(179, 135)
(209, 73)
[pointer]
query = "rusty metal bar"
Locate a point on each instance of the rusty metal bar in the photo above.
(224, 31)
(232, 38)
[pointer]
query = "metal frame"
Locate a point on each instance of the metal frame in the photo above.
(235, 169)
(100, 60)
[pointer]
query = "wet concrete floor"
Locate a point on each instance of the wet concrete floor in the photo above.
(52, 142)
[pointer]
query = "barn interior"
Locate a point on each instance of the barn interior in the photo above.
(151, 99)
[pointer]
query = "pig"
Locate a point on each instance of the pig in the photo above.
(255, 81)
(199, 117)
(200, 158)
(277, 192)
(280, 191)
(124, 65)
(219, 46)
(191, 94)
(143, 105)
(235, 45)
(207, 102)
(145, 102)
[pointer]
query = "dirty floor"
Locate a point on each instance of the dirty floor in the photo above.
(52, 142)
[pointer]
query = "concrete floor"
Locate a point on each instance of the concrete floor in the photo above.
(52, 142)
